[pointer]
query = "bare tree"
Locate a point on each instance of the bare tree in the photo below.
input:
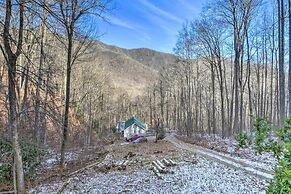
(71, 14)
(281, 27)
(210, 37)
(239, 15)
(289, 71)
(11, 55)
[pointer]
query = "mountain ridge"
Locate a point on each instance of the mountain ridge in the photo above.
(131, 70)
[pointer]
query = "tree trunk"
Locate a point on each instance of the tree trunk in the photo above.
(13, 119)
(249, 81)
(11, 59)
(281, 61)
(289, 71)
(67, 101)
(38, 121)
(213, 100)
(222, 99)
(272, 71)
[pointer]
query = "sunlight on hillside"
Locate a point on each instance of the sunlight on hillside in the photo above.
(145, 96)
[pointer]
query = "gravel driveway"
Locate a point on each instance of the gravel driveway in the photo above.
(203, 176)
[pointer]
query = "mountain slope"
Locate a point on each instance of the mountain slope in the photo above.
(131, 70)
(153, 59)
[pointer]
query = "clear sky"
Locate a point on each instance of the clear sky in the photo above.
(148, 23)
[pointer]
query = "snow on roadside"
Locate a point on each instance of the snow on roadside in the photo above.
(268, 166)
(53, 157)
(204, 177)
(230, 149)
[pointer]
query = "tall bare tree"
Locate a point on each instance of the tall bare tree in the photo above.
(281, 29)
(71, 14)
(289, 71)
(11, 54)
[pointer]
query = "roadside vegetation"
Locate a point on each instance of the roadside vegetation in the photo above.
(276, 141)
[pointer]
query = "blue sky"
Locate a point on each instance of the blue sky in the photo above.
(151, 24)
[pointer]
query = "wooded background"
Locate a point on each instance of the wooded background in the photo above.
(229, 67)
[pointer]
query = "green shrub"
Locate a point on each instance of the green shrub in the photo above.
(280, 146)
(31, 155)
(6, 156)
(242, 139)
(282, 179)
(282, 151)
(262, 128)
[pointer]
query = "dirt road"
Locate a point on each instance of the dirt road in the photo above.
(250, 167)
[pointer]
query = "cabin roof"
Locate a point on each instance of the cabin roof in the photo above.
(134, 120)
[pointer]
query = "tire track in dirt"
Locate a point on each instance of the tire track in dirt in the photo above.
(247, 166)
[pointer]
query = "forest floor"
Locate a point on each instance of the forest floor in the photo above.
(198, 170)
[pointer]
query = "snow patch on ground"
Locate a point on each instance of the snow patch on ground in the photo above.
(204, 177)
(248, 155)
(52, 158)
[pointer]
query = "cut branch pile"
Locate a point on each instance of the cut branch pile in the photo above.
(109, 164)
(161, 167)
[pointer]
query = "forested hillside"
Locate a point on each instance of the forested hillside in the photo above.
(132, 70)
(225, 88)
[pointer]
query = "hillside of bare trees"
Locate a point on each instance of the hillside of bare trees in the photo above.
(226, 86)
(131, 70)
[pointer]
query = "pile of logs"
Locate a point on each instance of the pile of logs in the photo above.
(161, 167)
(119, 165)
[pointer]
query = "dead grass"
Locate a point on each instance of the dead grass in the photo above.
(149, 151)
(57, 174)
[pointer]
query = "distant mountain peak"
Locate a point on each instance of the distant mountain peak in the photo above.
(131, 70)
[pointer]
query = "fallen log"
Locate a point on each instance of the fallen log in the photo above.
(125, 163)
(172, 162)
(158, 167)
(157, 173)
(161, 164)
(86, 167)
(6, 192)
(121, 168)
(166, 162)
(122, 165)
(64, 186)
(116, 164)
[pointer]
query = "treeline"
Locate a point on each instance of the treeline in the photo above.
(230, 69)
(230, 65)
